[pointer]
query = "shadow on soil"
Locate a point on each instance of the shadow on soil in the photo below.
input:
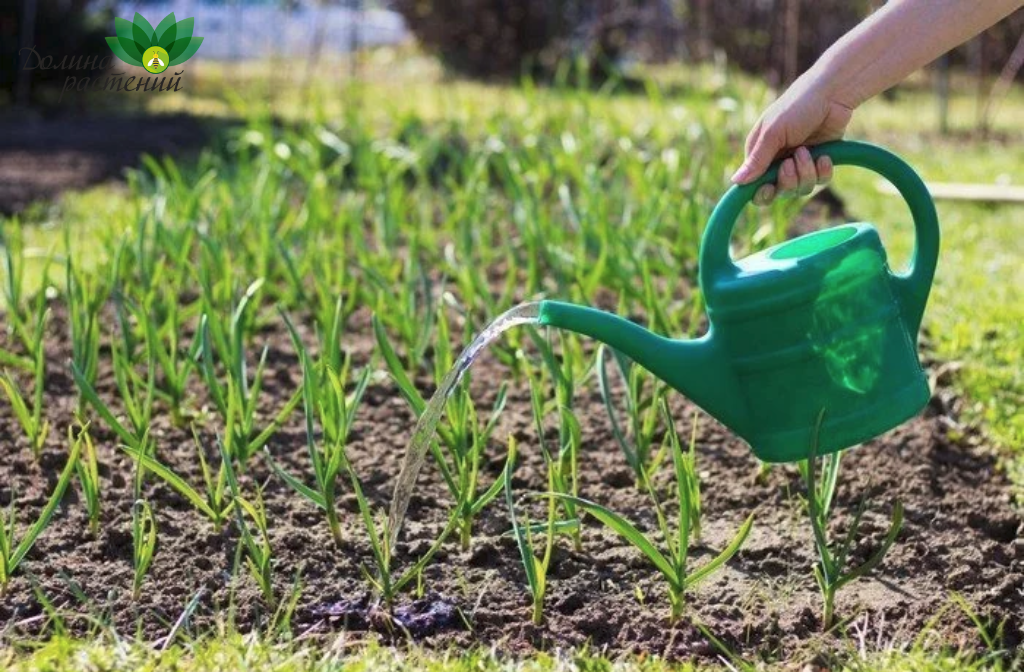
(40, 158)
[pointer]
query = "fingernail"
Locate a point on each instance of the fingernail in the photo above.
(824, 163)
(788, 168)
(741, 174)
(803, 154)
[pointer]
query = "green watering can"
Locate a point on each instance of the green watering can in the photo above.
(817, 323)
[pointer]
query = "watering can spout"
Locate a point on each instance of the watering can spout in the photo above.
(694, 367)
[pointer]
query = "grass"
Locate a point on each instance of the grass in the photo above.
(237, 651)
(393, 197)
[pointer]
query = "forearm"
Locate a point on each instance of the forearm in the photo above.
(897, 40)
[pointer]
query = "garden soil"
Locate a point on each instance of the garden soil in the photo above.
(41, 158)
(962, 535)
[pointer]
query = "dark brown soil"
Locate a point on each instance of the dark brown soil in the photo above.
(41, 158)
(961, 534)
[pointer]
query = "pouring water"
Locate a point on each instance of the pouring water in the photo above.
(416, 453)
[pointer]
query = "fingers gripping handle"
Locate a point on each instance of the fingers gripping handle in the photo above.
(912, 286)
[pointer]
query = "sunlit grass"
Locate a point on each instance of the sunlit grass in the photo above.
(239, 652)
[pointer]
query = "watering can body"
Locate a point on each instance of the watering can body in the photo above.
(811, 346)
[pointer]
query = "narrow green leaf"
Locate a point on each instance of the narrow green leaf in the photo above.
(17, 401)
(175, 481)
(522, 542)
(89, 394)
(415, 569)
(627, 531)
(296, 485)
(397, 371)
(486, 498)
(282, 416)
(604, 386)
(723, 557)
(559, 527)
(895, 525)
(37, 528)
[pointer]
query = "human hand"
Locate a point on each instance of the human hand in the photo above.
(806, 114)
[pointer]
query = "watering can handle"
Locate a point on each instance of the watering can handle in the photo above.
(912, 287)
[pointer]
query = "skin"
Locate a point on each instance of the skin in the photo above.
(896, 40)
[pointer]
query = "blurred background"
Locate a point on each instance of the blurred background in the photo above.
(285, 53)
(492, 39)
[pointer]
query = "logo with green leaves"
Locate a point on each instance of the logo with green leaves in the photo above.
(155, 49)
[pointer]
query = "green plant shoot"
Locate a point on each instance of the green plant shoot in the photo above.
(536, 568)
(30, 413)
(324, 398)
(642, 400)
(259, 555)
(690, 465)
(384, 580)
(143, 543)
(214, 502)
(88, 475)
(226, 346)
(563, 462)
(829, 570)
(462, 435)
(674, 566)
(12, 550)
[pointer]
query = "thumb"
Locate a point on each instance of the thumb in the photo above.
(767, 146)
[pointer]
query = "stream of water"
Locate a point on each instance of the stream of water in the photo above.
(416, 453)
